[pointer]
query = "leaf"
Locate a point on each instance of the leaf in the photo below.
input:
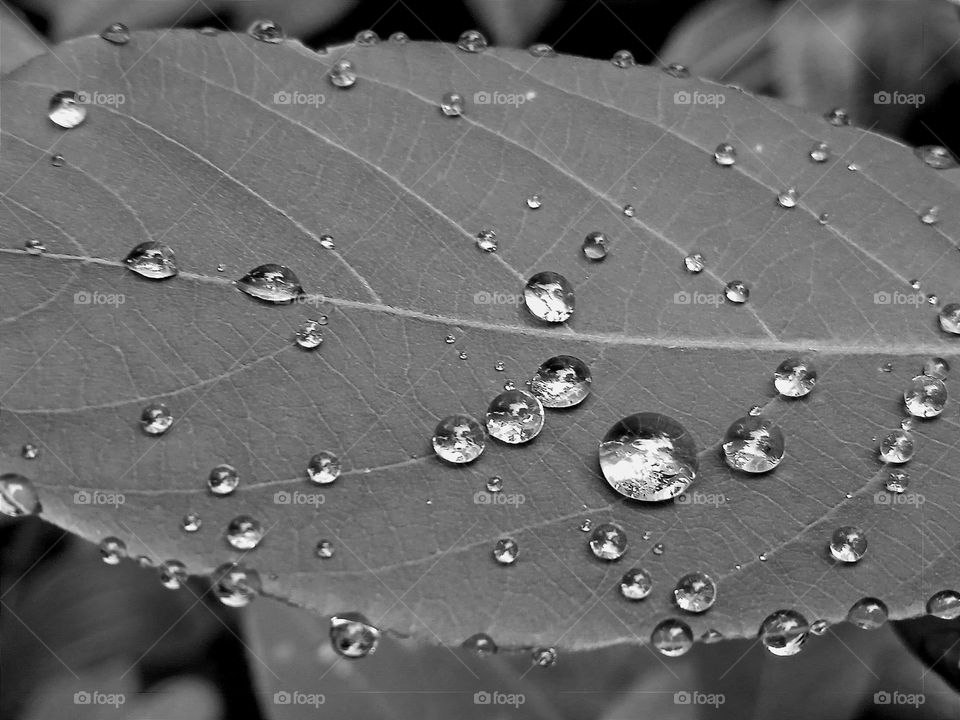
(201, 156)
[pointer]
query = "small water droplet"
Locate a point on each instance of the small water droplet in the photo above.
(352, 636)
(784, 632)
(629, 210)
(649, 457)
(542, 50)
(897, 447)
(711, 636)
(462, 355)
(191, 522)
(823, 218)
(886, 367)
(449, 339)
(365, 38)
(235, 585)
(623, 59)
(595, 246)
(795, 377)
(112, 550)
(897, 482)
(636, 584)
(868, 613)
(925, 397)
(549, 297)
(544, 657)
(309, 335)
(509, 385)
(34, 246)
(694, 263)
(57, 160)
(647, 535)
(487, 240)
(930, 216)
(838, 117)
(753, 444)
(401, 38)
(266, 31)
(562, 381)
(480, 644)
(762, 557)
(343, 75)
(324, 549)
(932, 299)
(323, 468)
(505, 551)
(244, 532)
(156, 419)
(936, 156)
(936, 367)
(677, 70)
(221, 267)
(152, 260)
(944, 605)
(29, 451)
(586, 525)
(173, 574)
(725, 155)
(853, 167)
(472, 41)
(848, 544)
(737, 291)
(820, 152)
(755, 410)
(608, 542)
(271, 283)
(788, 198)
(143, 561)
(116, 33)
(514, 416)
(534, 202)
(327, 243)
(657, 549)
(949, 317)
(223, 480)
(209, 31)
(695, 592)
(452, 104)
(494, 484)
(459, 439)
(65, 110)
(819, 627)
(672, 637)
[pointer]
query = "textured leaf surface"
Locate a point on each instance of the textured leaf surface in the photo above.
(201, 156)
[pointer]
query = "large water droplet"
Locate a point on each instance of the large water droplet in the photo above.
(562, 381)
(459, 439)
(944, 605)
(112, 550)
(608, 542)
(173, 574)
(649, 457)
(514, 416)
(244, 532)
(677, 70)
(936, 367)
(795, 377)
(753, 444)
(309, 335)
(542, 50)
(156, 419)
(595, 246)
(505, 551)
(343, 75)
(868, 613)
(784, 632)
(191, 522)
(623, 59)
(235, 585)
(636, 584)
(544, 657)
(223, 480)
(694, 263)
(925, 397)
(672, 637)
(695, 592)
(936, 156)
(116, 33)
(737, 291)
(472, 41)
(820, 152)
(949, 317)
(549, 297)
(480, 644)
(487, 240)
(366, 38)
(65, 110)
(323, 468)
(897, 447)
(848, 544)
(725, 155)
(838, 117)
(451, 104)
(271, 283)
(152, 260)
(266, 31)
(352, 636)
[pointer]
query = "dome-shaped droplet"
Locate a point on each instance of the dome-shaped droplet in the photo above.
(586, 525)
(819, 627)
(950, 318)
(562, 381)
(499, 366)
(623, 59)
(868, 613)
(784, 632)
(271, 283)
(853, 167)
(672, 637)
(897, 447)
(925, 397)
(208, 31)
(737, 291)
(629, 210)
(753, 444)
(677, 70)
(795, 377)
(366, 38)
(480, 644)
(788, 198)
(944, 605)
(820, 152)
(505, 551)
(191, 522)
(595, 246)
(695, 592)
(544, 657)
(509, 385)
(494, 484)
(112, 550)
(144, 561)
(451, 104)
(309, 335)
(930, 215)
(449, 339)
(459, 439)
(848, 544)
(636, 584)
(694, 263)
(932, 299)
(66, 110)
(352, 636)
(156, 419)
(323, 549)
(327, 242)
(549, 297)
(266, 31)
(838, 117)
(35, 246)
(342, 74)
(649, 457)
(57, 160)
(152, 260)
(173, 574)
(514, 416)
(244, 532)
(487, 240)
(897, 482)
(116, 33)
(657, 549)
(235, 585)
(462, 355)
(472, 41)
(323, 468)
(534, 202)
(936, 156)
(29, 451)
(608, 542)
(725, 155)
(401, 38)
(936, 367)
(823, 218)
(541, 50)
(223, 480)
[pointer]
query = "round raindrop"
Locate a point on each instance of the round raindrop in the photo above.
(544, 657)
(944, 605)
(784, 632)
(725, 155)
(191, 522)
(737, 291)
(29, 451)
(925, 397)
(549, 297)
(365, 38)
(848, 544)
(897, 482)
(930, 215)
(156, 419)
(608, 542)
(694, 263)
(514, 416)
(459, 439)
(541, 50)
(561, 382)
(636, 584)
(623, 59)
(672, 637)
(352, 636)
(57, 160)
(820, 152)
(595, 246)
(451, 104)
(66, 109)
(494, 484)
(116, 33)
(244, 532)
(838, 117)
(343, 75)
(472, 41)
(819, 627)
(266, 31)
(223, 480)
(677, 70)
(657, 549)
(795, 377)
(480, 644)
(868, 613)
(271, 283)
(401, 38)
(695, 592)
(323, 468)
(936, 156)
(173, 574)
(897, 447)
(487, 240)
(112, 550)
(309, 335)
(235, 585)
(152, 260)
(327, 242)
(753, 444)
(629, 211)
(788, 198)
(586, 525)
(323, 549)
(950, 318)
(505, 551)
